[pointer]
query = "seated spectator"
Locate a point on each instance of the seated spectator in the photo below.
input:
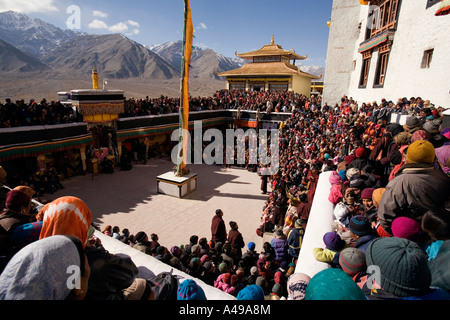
(352, 261)
(16, 213)
(251, 292)
(333, 284)
(66, 216)
(190, 290)
(39, 271)
(404, 272)
(333, 244)
(418, 188)
(362, 232)
(142, 243)
(296, 286)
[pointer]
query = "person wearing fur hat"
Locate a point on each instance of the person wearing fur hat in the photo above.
(417, 187)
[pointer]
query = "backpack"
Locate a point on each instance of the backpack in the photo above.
(165, 285)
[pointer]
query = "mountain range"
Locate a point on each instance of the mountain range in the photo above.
(32, 49)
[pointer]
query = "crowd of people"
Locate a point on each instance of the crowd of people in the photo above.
(389, 186)
(20, 113)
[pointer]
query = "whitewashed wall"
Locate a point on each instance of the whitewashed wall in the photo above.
(418, 29)
(319, 223)
(342, 40)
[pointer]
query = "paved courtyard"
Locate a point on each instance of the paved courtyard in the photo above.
(129, 199)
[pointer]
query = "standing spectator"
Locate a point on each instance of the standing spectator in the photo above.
(218, 229)
(279, 245)
(295, 240)
(236, 241)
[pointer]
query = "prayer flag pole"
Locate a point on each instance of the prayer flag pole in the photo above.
(184, 100)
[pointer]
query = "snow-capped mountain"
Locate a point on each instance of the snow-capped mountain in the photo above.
(204, 62)
(314, 70)
(32, 36)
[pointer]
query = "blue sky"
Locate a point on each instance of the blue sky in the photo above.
(224, 26)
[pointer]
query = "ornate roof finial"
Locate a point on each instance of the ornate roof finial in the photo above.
(273, 40)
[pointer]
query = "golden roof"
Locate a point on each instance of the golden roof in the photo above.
(271, 68)
(271, 49)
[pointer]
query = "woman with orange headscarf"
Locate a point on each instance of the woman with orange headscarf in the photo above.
(68, 216)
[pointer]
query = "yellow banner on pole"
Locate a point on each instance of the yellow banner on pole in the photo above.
(184, 103)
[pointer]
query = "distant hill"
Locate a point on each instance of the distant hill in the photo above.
(14, 61)
(114, 55)
(42, 59)
(32, 36)
(204, 62)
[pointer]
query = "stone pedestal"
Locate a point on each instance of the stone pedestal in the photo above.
(169, 184)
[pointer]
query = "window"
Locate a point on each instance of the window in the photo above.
(278, 87)
(380, 75)
(427, 57)
(267, 59)
(365, 69)
(237, 86)
(383, 17)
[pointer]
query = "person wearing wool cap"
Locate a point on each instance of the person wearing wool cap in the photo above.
(16, 213)
(251, 292)
(190, 290)
(362, 232)
(369, 208)
(406, 228)
(417, 187)
(333, 284)
(352, 261)
(403, 271)
(412, 124)
(333, 245)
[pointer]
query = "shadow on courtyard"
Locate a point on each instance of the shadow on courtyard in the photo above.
(123, 191)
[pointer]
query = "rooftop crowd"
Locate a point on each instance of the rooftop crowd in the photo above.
(389, 189)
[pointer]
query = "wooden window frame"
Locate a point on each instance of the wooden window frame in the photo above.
(382, 64)
(427, 58)
(365, 68)
(386, 16)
